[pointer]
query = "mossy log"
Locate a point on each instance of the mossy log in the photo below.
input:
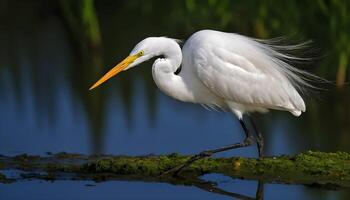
(309, 168)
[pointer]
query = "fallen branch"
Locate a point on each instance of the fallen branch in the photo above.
(310, 168)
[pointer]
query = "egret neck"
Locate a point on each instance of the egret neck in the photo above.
(164, 69)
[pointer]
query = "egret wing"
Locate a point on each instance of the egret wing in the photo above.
(234, 78)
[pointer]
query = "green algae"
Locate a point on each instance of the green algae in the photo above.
(148, 165)
(310, 168)
(318, 163)
(307, 168)
(151, 165)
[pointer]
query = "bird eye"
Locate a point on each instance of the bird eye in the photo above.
(141, 53)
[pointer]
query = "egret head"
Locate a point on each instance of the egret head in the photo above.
(143, 51)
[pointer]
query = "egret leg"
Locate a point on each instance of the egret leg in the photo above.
(259, 138)
(247, 142)
(260, 190)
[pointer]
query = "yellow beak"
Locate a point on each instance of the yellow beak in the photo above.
(115, 70)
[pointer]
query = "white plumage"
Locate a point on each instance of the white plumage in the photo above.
(232, 71)
(243, 72)
(223, 70)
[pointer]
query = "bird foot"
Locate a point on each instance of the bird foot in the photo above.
(176, 170)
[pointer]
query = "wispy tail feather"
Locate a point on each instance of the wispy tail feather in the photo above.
(283, 56)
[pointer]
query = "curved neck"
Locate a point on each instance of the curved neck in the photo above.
(164, 69)
(170, 50)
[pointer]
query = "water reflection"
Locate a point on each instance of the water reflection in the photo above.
(46, 68)
(213, 188)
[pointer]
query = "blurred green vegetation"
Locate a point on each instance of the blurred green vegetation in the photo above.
(326, 22)
(83, 27)
(322, 20)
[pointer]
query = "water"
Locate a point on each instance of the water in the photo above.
(46, 107)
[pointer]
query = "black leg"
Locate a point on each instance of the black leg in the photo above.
(247, 142)
(259, 138)
(260, 191)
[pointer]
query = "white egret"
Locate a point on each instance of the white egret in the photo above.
(222, 70)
